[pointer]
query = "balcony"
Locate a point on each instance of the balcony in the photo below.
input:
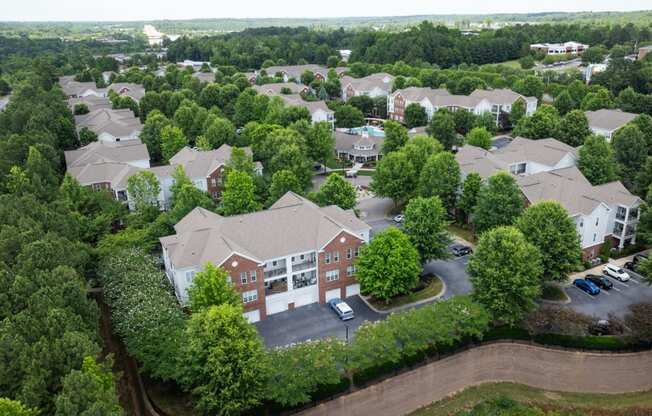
(304, 279)
(297, 267)
(281, 271)
(276, 286)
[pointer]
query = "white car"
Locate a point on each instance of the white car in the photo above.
(616, 272)
(399, 218)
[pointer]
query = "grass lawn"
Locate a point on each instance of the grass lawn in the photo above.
(554, 293)
(365, 173)
(463, 233)
(579, 403)
(429, 286)
(512, 64)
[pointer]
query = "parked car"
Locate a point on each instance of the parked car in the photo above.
(616, 272)
(600, 327)
(639, 258)
(399, 218)
(460, 250)
(630, 265)
(586, 286)
(341, 308)
(600, 281)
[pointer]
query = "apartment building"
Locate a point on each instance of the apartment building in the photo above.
(496, 102)
(111, 125)
(606, 122)
(294, 72)
(75, 89)
(319, 111)
(375, 85)
(128, 89)
(293, 254)
(571, 48)
(546, 170)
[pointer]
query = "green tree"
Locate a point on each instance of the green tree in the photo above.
(479, 137)
(143, 189)
(336, 191)
(440, 177)
(505, 272)
(220, 131)
(425, 224)
(419, 148)
(574, 128)
(527, 62)
(86, 136)
(239, 196)
(644, 178)
(14, 408)
(499, 203)
(291, 157)
(394, 178)
(241, 161)
(597, 161)
(348, 116)
(389, 266)
(596, 100)
(469, 198)
(465, 121)
(594, 55)
(320, 143)
(415, 116)
(564, 102)
(530, 86)
(442, 128)
(547, 226)
(639, 322)
(283, 181)
(395, 136)
(151, 134)
(172, 140)
(630, 152)
(88, 392)
(541, 125)
(223, 361)
(211, 287)
(519, 109)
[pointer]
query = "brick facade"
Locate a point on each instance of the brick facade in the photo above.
(234, 266)
(215, 183)
(399, 108)
(340, 244)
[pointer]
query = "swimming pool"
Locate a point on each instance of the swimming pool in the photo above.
(371, 130)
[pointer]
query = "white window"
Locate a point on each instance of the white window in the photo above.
(336, 256)
(350, 271)
(190, 276)
(357, 251)
(243, 277)
(349, 253)
(250, 296)
(597, 220)
(332, 275)
(213, 182)
(327, 258)
(229, 279)
(252, 276)
(594, 236)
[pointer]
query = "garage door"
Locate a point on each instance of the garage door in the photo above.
(306, 296)
(352, 290)
(252, 316)
(276, 306)
(332, 294)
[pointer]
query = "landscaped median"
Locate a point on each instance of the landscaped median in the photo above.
(429, 288)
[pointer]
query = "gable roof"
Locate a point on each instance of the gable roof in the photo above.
(135, 91)
(276, 87)
(610, 120)
(345, 142)
(417, 94)
(118, 123)
(200, 164)
(124, 152)
(380, 80)
(114, 173)
(204, 76)
(502, 96)
(93, 102)
(292, 225)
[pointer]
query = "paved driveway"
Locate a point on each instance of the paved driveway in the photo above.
(453, 273)
(313, 322)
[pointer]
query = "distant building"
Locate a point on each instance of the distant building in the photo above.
(154, 37)
(643, 51)
(76, 89)
(605, 121)
(134, 91)
(319, 111)
(358, 148)
(571, 48)
(294, 72)
(375, 85)
(111, 125)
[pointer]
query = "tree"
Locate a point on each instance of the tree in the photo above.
(541, 125)
(547, 226)
(395, 136)
(639, 322)
(442, 128)
(172, 140)
(348, 116)
(574, 128)
(466, 85)
(362, 102)
(425, 223)
(241, 161)
(291, 157)
(465, 121)
(14, 408)
(526, 62)
(601, 98)
(630, 152)
(597, 161)
(143, 189)
(211, 287)
(470, 193)
(644, 124)
(239, 196)
(564, 102)
(415, 116)
(80, 109)
(530, 86)
(223, 361)
(88, 392)
(87, 136)
(499, 203)
(389, 266)
(419, 148)
(394, 178)
(479, 137)
(337, 191)
(220, 131)
(644, 178)
(151, 134)
(519, 109)
(320, 142)
(505, 272)
(594, 55)
(283, 181)
(440, 177)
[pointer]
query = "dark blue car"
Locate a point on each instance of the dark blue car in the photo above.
(586, 286)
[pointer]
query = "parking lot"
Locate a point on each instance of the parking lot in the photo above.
(616, 300)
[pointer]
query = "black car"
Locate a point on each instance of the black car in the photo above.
(630, 265)
(639, 258)
(460, 250)
(600, 281)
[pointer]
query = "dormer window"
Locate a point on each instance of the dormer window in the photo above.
(518, 168)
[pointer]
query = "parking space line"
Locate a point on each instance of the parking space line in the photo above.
(606, 292)
(616, 289)
(619, 282)
(581, 291)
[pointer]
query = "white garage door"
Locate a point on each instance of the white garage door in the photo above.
(332, 294)
(252, 316)
(306, 296)
(352, 290)
(276, 306)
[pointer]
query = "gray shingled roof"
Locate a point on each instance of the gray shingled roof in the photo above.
(380, 80)
(502, 96)
(110, 172)
(610, 120)
(275, 88)
(344, 142)
(292, 225)
(125, 152)
(416, 94)
(135, 91)
(200, 164)
(92, 102)
(118, 123)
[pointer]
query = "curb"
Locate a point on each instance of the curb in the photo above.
(409, 305)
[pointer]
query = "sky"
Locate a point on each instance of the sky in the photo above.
(103, 10)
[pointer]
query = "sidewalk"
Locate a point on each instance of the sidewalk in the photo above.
(598, 269)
